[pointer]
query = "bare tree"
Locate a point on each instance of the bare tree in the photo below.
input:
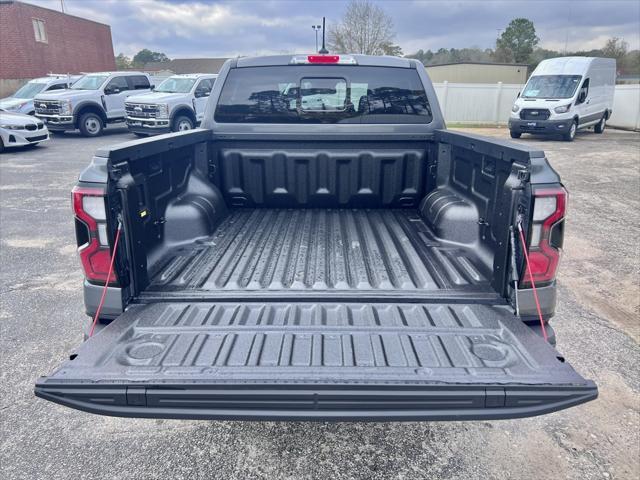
(615, 48)
(366, 29)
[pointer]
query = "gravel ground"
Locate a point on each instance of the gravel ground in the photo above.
(597, 326)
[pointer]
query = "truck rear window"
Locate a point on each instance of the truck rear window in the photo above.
(323, 94)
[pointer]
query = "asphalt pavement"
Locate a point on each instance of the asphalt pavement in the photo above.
(597, 324)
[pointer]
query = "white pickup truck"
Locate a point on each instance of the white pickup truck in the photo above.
(176, 104)
(91, 103)
(22, 100)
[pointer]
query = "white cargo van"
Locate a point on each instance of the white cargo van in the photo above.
(563, 95)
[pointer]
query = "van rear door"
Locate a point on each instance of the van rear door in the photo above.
(317, 361)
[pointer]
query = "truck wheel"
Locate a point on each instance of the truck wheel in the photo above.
(182, 123)
(571, 134)
(515, 134)
(599, 128)
(90, 125)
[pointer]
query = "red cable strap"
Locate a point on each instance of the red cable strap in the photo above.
(533, 284)
(106, 284)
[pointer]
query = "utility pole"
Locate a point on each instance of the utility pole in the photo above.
(316, 29)
(566, 37)
(62, 5)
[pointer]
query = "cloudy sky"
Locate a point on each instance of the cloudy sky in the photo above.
(211, 28)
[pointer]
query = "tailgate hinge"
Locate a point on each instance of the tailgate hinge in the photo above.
(118, 170)
(524, 175)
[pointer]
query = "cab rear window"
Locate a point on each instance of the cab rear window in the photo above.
(323, 94)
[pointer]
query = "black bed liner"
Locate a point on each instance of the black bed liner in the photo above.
(326, 361)
(322, 250)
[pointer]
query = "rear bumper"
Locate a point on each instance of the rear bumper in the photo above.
(317, 403)
(551, 127)
(527, 304)
(113, 305)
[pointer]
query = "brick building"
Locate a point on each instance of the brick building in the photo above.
(35, 41)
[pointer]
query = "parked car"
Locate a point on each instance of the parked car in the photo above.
(176, 104)
(19, 130)
(95, 100)
(564, 95)
(22, 100)
(321, 249)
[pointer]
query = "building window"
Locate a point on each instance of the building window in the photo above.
(39, 31)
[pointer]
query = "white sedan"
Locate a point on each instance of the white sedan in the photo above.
(17, 130)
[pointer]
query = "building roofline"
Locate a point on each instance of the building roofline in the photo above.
(8, 2)
(479, 63)
(363, 60)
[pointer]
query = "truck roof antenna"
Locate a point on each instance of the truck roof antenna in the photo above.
(323, 50)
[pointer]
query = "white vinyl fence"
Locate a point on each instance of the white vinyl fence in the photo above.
(474, 103)
(626, 107)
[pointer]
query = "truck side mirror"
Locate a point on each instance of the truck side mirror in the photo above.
(518, 96)
(582, 96)
(111, 90)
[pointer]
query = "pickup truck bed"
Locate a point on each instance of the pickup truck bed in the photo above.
(321, 250)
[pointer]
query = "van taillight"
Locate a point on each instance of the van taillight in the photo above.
(546, 235)
(93, 242)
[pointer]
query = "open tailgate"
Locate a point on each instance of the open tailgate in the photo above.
(305, 361)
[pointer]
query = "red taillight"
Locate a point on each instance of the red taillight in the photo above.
(323, 58)
(544, 254)
(95, 255)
